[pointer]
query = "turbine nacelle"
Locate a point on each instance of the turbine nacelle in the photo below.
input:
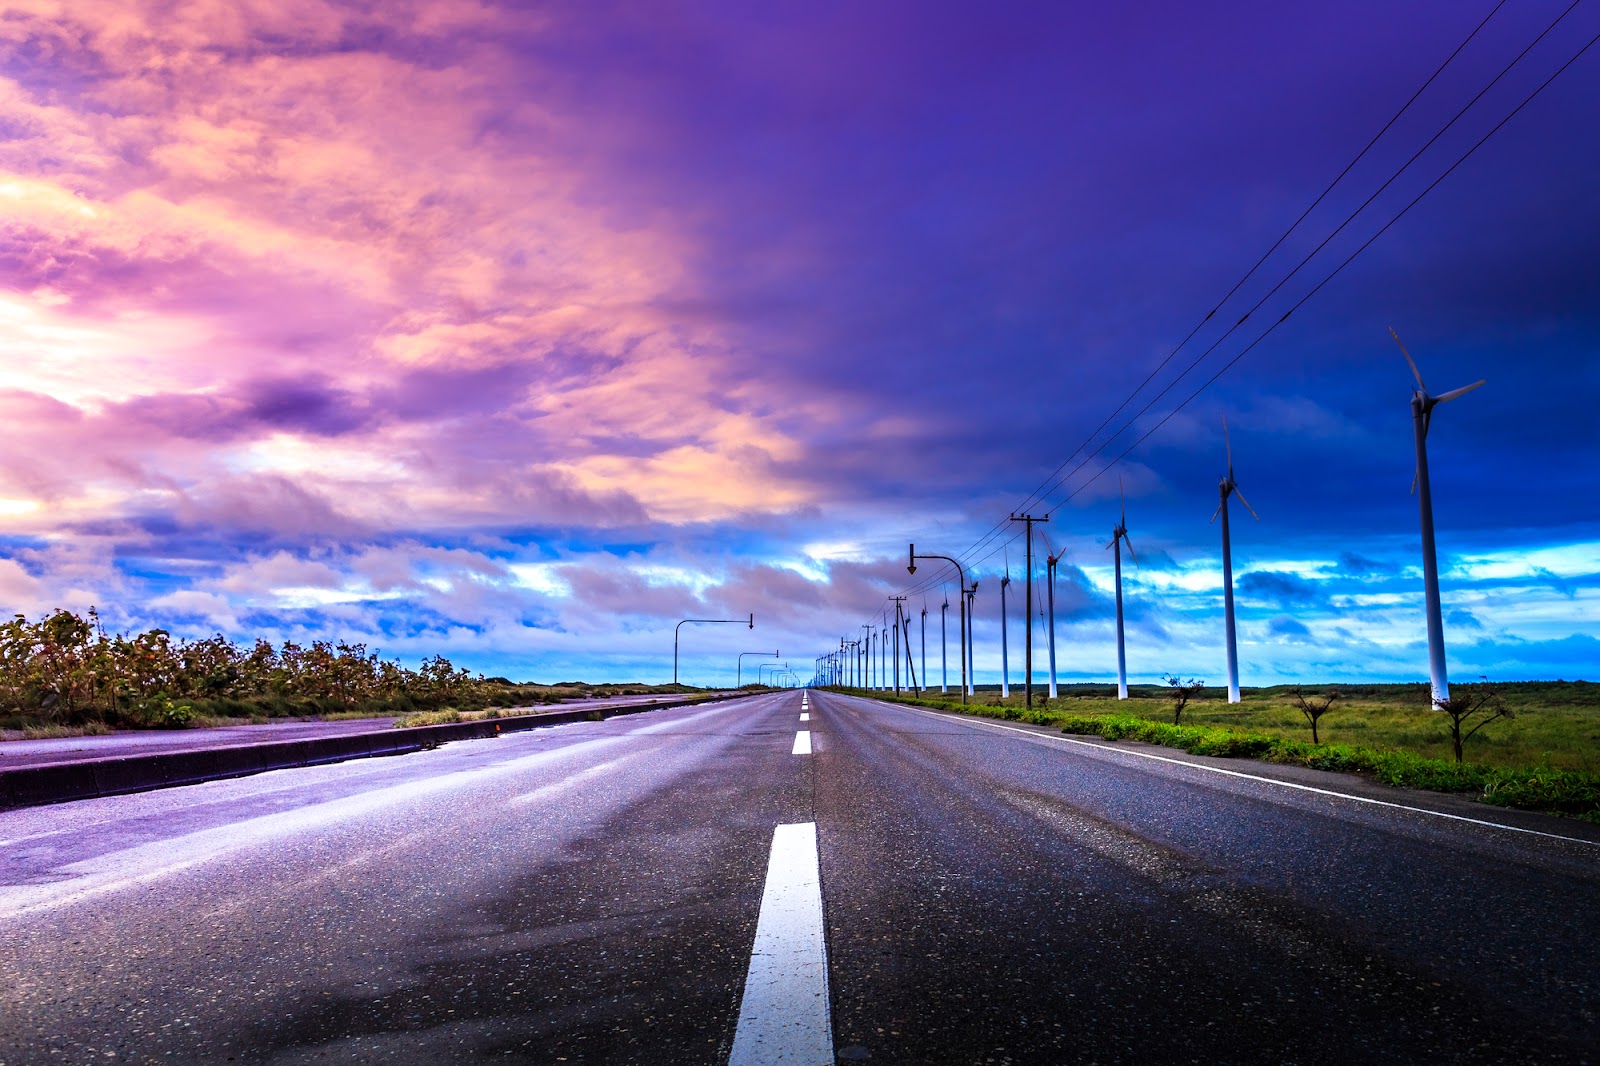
(1422, 401)
(1228, 485)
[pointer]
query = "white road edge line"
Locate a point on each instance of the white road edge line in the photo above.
(1256, 777)
(784, 1015)
(802, 743)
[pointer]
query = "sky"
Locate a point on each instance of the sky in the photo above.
(519, 332)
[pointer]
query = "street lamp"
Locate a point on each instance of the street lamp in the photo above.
(961, 583)
(702, 621)
(738, 675)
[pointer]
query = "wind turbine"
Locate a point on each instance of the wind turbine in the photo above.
(944, 644)
(1118, 536)
(972, 640)
(924, 643)
(1224, 489)
(1422, 405)
(1050, 560)
(1005, 654)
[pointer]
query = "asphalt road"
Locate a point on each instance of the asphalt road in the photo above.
(686, 886)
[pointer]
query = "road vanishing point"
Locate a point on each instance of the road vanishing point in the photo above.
(798, 877)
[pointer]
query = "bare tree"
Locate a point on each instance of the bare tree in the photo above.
(1182, 693)
(1482, 700)
(1314, 707)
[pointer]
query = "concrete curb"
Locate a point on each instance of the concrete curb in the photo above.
(33, 786)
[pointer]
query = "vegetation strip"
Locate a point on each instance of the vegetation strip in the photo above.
(64, 675)
(1280, 783)
(1574, 793)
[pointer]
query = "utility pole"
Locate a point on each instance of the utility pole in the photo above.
(1028, 653)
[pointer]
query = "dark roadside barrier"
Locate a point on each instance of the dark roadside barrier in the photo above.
(31, 786)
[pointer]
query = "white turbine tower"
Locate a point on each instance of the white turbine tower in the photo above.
(1050, 591)
(1118, 537)
(1422, 405)
(944, 645)
(1005, 653)
(1227, 487)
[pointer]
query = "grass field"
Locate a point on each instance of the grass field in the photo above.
(1546, 758)
(1557, 723)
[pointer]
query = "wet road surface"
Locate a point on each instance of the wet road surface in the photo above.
(913, 888)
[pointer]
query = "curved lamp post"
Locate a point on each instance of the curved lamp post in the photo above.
(961, 579)
(702, 621)
(738, 675)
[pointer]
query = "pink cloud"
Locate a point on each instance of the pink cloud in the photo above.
(230, 250)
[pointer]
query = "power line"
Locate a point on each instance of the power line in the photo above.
(1052, 478)
(1325, 241)
(1338, 269)
(1056, 479)
(1053, 481)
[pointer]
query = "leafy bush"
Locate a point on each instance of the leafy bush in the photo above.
(64, 668)
(160, 712)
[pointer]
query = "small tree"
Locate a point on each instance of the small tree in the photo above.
(1182, 693)
(1482, 700)
(1314, 707)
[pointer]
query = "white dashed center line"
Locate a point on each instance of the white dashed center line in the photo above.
(804, 717)
(784, 1016)
(802, 743)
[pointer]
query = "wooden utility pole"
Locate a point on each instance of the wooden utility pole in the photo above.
(1028, 652)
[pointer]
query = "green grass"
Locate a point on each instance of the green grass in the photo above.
(443, 717)
(1557, 723)
(1544, 759)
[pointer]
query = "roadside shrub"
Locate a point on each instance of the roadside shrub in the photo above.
(65, 668)
(160, 712)
(443, 717)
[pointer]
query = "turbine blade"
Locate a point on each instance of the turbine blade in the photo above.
(1414, 371)
(1229, 445)
(1453, 393)
(1218, 511)
(1246, 503)
(1129, 543)
(1414, 475)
